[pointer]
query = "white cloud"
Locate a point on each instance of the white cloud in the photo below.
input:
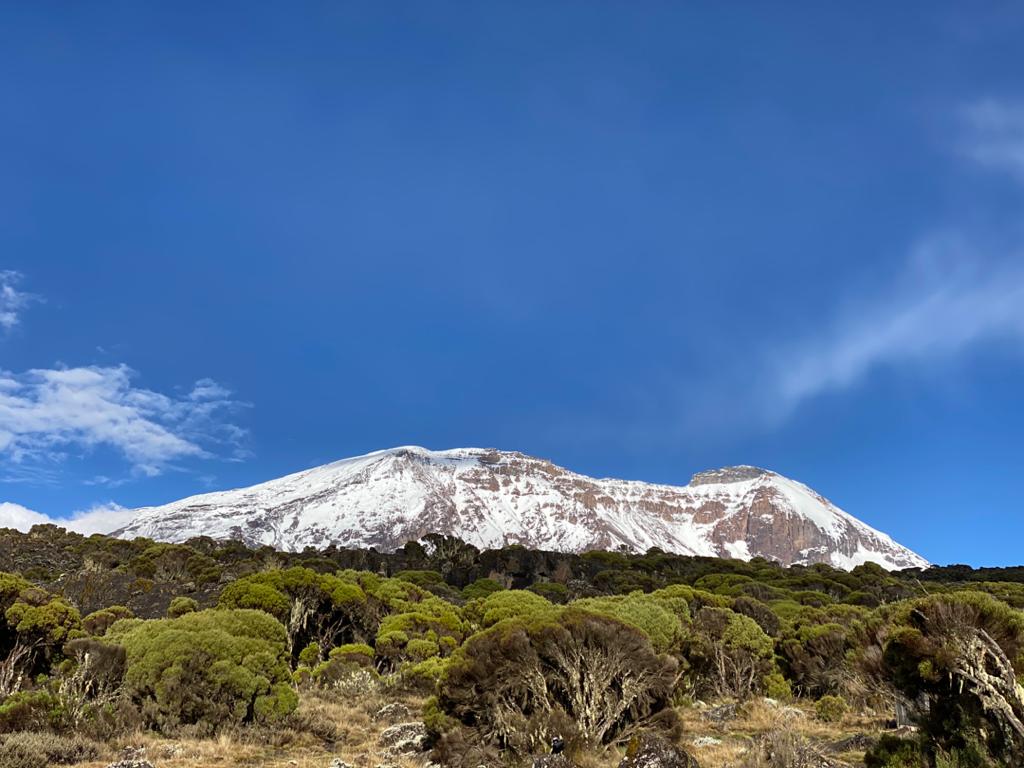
(12, 301)
(101, 518)
(44, 413)
(950, 299)
(994, 136)
(959, 289)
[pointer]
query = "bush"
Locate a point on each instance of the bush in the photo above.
(208, 669)
(645, 612)
(516, 682)
(514, 603)
(830, 709)
(180, 606)
(481, 588)
(41, 750)
(730, 654)
(894, 752)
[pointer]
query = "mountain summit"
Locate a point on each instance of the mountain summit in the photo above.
(492, 498)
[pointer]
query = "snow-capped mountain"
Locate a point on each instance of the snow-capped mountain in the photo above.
(492, 498)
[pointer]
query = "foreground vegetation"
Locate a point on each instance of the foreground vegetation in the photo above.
(216, 653)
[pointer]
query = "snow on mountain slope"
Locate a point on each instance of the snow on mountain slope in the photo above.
(492, 498)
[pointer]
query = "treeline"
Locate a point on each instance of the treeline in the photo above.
(512, 646)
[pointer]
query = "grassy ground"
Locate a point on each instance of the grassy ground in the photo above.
(328, 728)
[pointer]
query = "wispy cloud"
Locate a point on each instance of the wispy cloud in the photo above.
(958, 289)
(950, 299)
(994, 136)
(101, 518)
(45, 413)
(12, 301)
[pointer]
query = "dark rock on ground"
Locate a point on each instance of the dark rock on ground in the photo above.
(649, 750)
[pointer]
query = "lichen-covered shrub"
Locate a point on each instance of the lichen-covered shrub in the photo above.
(592, 674)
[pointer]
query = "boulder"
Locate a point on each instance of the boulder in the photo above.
(404, 738)
(721, 714)
(649, 750)
(393, 712)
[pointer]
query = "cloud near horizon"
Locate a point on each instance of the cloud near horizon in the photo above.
(44, 413)
(101, 518)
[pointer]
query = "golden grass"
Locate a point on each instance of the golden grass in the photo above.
(325, 727)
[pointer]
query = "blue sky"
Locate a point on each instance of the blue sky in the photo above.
(237, 240)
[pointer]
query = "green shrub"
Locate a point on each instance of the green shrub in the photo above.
(551, 590)
(98, 622)
(895, 752)
(180, 606)
(645, 612)
(776, 686)
(208, 669)
(830, 709)
(481, 588)
(514, 603)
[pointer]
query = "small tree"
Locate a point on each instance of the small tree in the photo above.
(525, 680)
(729, 652)
(33, 627)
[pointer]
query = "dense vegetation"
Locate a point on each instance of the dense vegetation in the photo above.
(511, 646)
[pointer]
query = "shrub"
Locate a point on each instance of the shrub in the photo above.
(730, 654)
(514, 603)
(208, 669)
(315, 607)
(515, 682)
(98, 622)
(895, 752)
(776, 686)
(180, 606)
(481, 588)
(830, 709)
(41, 750)
(645, 612)
(962, 652)
(551, 590)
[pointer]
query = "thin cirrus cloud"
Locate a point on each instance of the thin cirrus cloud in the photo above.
(46, 413)
(994, 136)
(13, 301)
(101, 518)
(958, 290)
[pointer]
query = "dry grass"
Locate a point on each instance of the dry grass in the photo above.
(329, 726)
(758, 718)
(323, 728)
